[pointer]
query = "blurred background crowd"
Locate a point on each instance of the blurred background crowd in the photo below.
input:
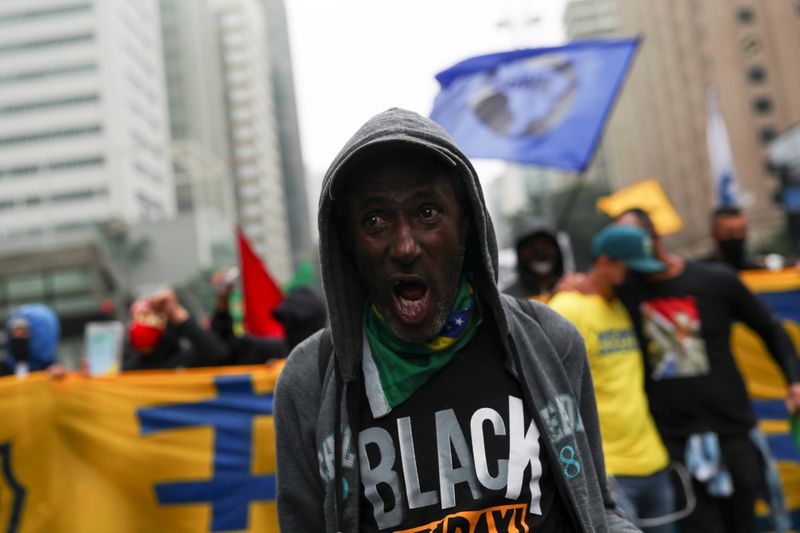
(160, 159)
(135, 135)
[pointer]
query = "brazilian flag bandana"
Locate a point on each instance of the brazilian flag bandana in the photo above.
(403, 367)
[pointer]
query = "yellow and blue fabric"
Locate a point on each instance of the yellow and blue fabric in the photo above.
(403, 367)
(767, 386)
(189, 451)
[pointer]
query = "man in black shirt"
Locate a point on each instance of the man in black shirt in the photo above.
(683, 317)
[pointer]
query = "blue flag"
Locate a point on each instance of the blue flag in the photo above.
(542, 106)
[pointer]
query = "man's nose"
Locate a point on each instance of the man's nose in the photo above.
(405, 247)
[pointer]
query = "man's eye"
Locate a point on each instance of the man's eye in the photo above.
(429, 214)
(373, 221)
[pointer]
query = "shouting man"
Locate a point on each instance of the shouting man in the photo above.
(433, 403)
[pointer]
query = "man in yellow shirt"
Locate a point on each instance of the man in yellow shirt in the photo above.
(634, 452)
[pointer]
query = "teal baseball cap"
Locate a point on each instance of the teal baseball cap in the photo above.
(629, 244)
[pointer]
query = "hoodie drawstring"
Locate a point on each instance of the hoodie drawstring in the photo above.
(352, 398)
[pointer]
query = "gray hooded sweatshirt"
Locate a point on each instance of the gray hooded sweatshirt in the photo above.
(542, 349)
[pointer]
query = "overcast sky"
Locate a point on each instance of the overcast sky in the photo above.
(355, 58)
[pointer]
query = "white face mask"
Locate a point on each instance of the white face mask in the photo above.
(541, 267)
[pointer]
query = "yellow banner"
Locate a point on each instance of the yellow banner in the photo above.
(766, 384)
(781, 292)
(649, 196)
(189, 451)
(193, 451)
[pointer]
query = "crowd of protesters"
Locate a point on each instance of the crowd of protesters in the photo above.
(670, 397)
(162, 334)
(425, 342)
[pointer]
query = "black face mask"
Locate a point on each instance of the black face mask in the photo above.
(19, 347)
(732, 251)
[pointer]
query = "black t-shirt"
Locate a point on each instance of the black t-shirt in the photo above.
(684, 326)
(459, 455)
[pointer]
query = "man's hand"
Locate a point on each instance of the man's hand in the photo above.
(167, 302)
(575, 282)
(793, 399)
(224, 280)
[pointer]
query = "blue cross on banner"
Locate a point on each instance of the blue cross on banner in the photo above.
(233, 486)
(541, 106)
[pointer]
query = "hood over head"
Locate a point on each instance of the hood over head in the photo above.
(345, 293)
(528, 229)
(44, 331)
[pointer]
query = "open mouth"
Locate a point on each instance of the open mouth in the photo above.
(412, 301)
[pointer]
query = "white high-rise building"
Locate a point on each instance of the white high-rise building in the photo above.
(294, 174)
(199, 129)
(254, 144)
(84, 131)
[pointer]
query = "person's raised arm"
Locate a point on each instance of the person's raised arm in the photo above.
(750, 310)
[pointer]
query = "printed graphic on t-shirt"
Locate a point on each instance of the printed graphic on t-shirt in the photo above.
(675, 347)
(488, 471)
(501, 519)
(616, 341)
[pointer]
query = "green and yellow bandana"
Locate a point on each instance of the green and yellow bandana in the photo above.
(403, 367)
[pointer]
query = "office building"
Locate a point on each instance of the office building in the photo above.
(748, 50)
(83, 123)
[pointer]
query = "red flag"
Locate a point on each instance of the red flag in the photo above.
(260, 293)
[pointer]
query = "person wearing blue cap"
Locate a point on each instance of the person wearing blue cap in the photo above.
(634, 452)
